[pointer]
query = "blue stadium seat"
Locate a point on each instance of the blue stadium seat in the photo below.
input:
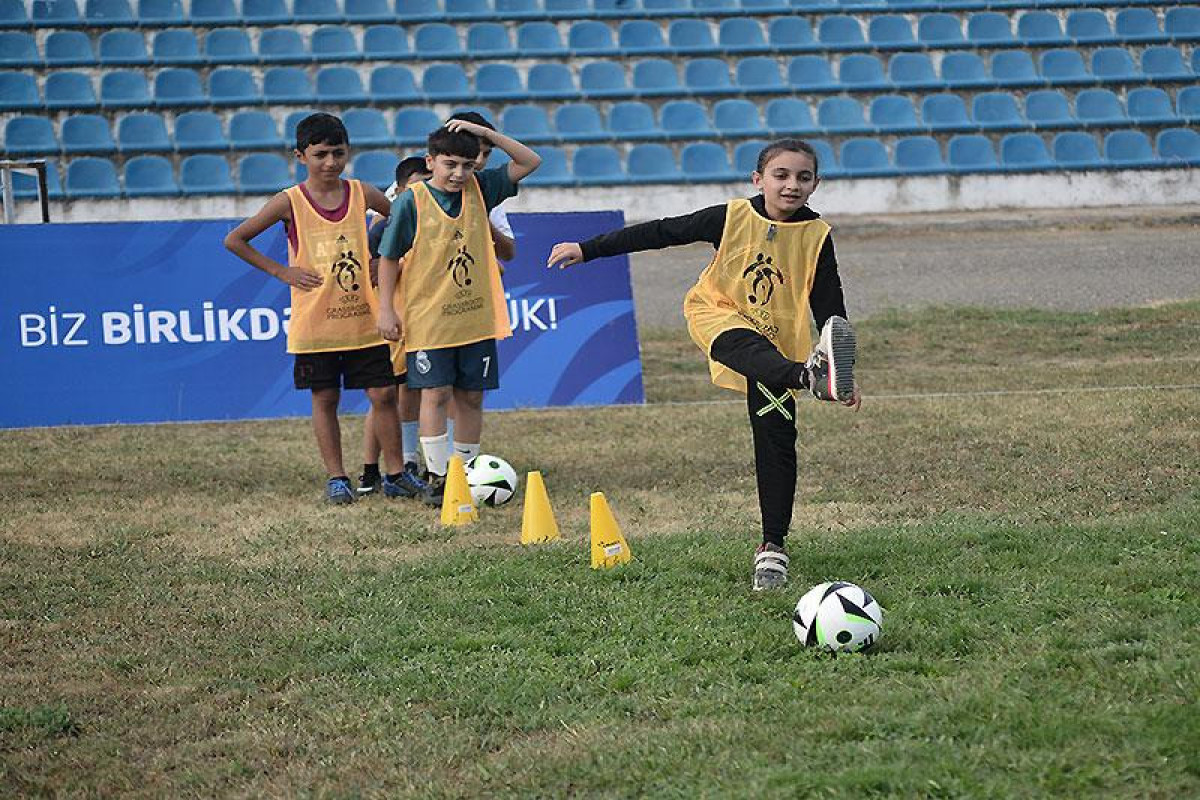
(1040, 29)
(62, 90)
(1077, 150)
(527, 123)
(1187, 104)
(143, 133)
(539, 40)
(862, 72)
(707, 76)
(940, 30)
(789, 116)
(1099, 107)
(519, 9)
(633, 119)
(499, 82)
(1129, 149)
(123, 47)
(1012, 68)
(13, 14)
(893, 113)
(890, 32)
(596, 164)
(1064, 68)
(1182, 24)
(234, 86)
(567, 9)
(827, 163)
(205, 174)
(90, 176)
(150, 176)
(945, 112)
(665, 8)
(160, 14)
(469, 9)
(741, 35)
(638, 37)
(1047, 109)
(1165, 63)
(579, 122)
(1024, 152)
(551, 81)
(290, 123)
(963, 70)
(29, 136)
(760, 75)
(124, 89)
(691, 37)
(716, 6)
(367, 128)
(603, 79)
(841, 32)
(176, 47)
(553, 171)
(653, 163)
(587, 37)
(287, 86)
(316, 11)
(394, 84)
(419, 10)
(266, 12)
(685, 119)
(1138, 26)
(1115, 65)
(263, 173)
(282, 46)
(912, 71)
(1089, 26)
(811, 73)
(334, 43)
(18, 49)
(865, 158)
(990, 29)
(745, 157)
(1178, 146)
(385, 43)
(69, 49)
(841, 115)
(87, 133)
(413, 125)
(56, 14)
(179, 87)
(340, 85)
(737, 118)
(919, 155)
(654, 77)
(200, 131)
(706, 161)
(766, 6)
(971, 152)
(446, 83)
(366, 12)
(254, 130)
(994, 111)
(214, 12)
(437, 40)
(229, 46)
(789, 34)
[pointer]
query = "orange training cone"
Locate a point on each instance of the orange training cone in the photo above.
(537, 518)
(457, 506)
(609, 547)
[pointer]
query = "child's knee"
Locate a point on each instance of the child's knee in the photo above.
(382, 396)
(472, 400)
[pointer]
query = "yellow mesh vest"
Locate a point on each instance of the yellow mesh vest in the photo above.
(450, 288)
(341, 313)
(759, 279)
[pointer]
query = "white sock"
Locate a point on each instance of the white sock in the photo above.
(437, 453)
(410, 432)
(466, 451)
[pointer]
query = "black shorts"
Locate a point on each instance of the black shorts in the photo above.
(368, 368)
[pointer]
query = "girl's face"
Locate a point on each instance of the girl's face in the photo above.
(787, 181)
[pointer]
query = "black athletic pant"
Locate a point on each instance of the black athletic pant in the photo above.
(769, 376)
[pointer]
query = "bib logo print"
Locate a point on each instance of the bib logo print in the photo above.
(460, 267)
(423, 363)
(764, 276)
(346, 268)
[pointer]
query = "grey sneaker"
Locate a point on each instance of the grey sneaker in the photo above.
(770, 567)
(435, 489)
(831, 365)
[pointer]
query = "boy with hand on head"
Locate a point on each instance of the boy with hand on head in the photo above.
(453, 308)
(750, 314)
(332, 330)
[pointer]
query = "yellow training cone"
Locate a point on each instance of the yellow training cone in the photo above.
(457, 506)
(609, 547)
(537, 519)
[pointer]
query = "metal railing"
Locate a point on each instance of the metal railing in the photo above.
(7, 168)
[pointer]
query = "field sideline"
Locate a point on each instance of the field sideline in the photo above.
(180, 616)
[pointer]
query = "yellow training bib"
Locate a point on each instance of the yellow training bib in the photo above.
(450, 288)
(341, 313)
(759, 279)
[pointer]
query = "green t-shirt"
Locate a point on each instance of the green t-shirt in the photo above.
(494, 184)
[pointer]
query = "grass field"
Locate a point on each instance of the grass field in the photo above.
(180, 616)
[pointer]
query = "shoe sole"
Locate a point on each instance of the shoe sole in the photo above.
(841, 345)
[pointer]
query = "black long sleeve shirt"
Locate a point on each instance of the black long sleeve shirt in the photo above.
(706, 225)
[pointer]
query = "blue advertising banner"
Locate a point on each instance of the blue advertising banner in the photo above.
(157, 322)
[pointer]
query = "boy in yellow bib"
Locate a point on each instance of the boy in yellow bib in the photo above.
(773, 274)
(452, 302)
(332, 330)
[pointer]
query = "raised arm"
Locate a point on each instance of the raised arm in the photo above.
(277, 209)
(705, 225)
(376, 200)
(524, 160)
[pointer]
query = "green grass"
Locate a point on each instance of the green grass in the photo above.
(180, 616)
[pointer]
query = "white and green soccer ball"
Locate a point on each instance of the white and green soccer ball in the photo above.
(493, 481)
(839, 617)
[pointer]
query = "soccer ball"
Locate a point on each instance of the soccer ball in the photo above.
(493, 481)
(839, 617)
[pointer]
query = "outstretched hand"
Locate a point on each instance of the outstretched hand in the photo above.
(564, 254)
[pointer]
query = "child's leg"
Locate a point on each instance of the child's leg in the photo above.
(368, 482)
(327, 430)
(387, 425)
(773, 425)
(410, 425)
(751, 354)
(434, 441)
(469, 425)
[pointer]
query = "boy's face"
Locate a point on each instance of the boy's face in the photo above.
(787, 181)
(325, 162)
(485, 152)
(450, 173)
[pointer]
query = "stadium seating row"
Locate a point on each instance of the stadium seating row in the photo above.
(432, 41)
(198, 131)
(263, 173)
(181, 87)
(161, 13)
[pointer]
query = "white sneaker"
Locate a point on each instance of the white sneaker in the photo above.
(770, 567)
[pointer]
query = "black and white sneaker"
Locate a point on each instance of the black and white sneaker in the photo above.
(831, 365)
(369, 484)
(770, 567)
